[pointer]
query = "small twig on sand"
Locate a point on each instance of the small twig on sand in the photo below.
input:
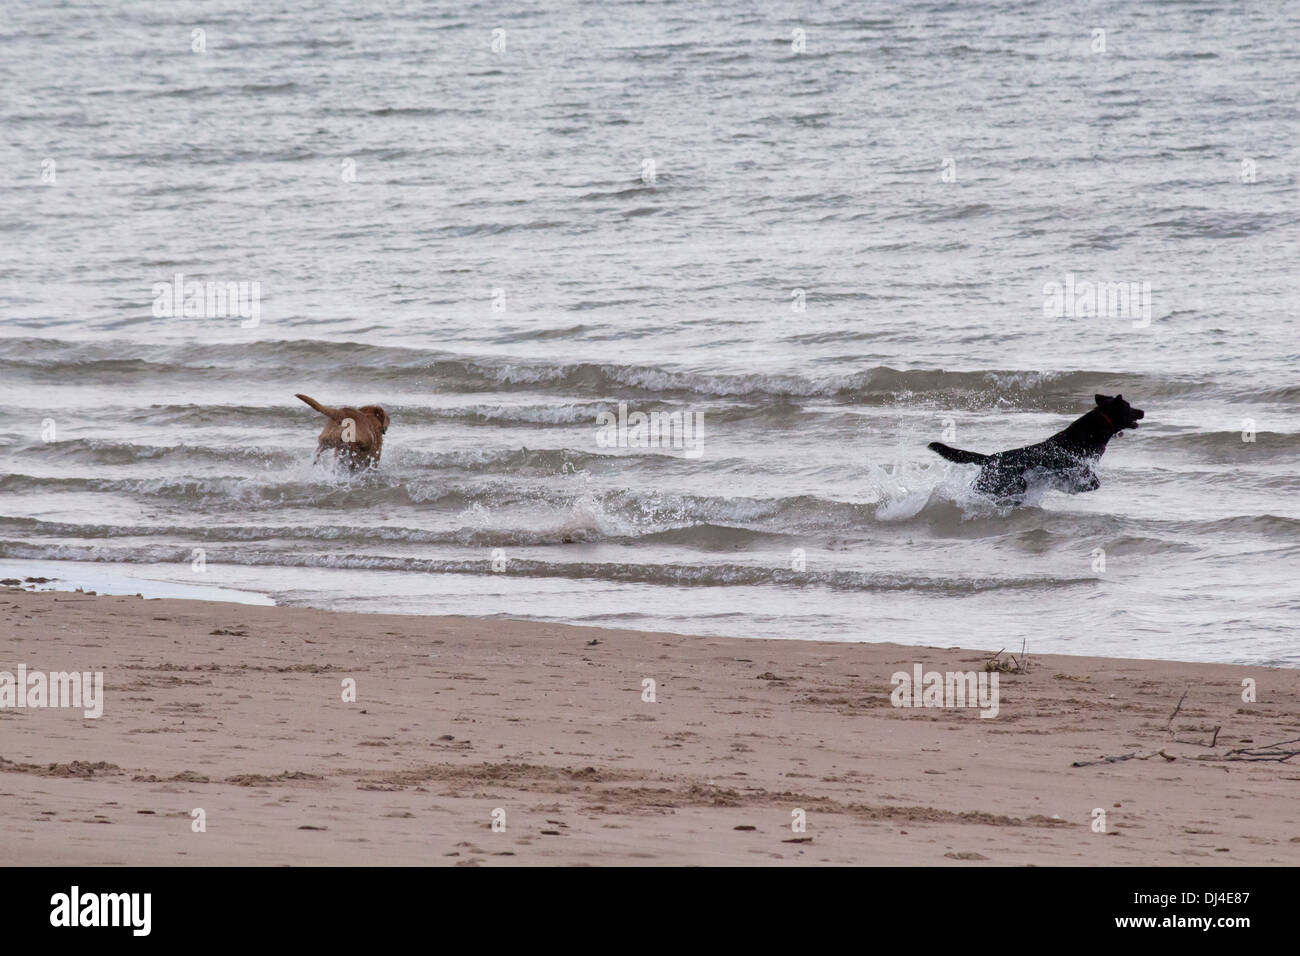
(1132, 756)
(1170, 725)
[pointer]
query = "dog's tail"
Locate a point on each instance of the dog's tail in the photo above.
(332, 413)
(952, 454)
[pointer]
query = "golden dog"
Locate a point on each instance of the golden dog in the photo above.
(355, 434)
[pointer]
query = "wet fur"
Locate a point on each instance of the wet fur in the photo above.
(1064, 462)
(370, 422)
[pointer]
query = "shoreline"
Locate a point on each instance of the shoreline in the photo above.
(237, 709)
(131, 580)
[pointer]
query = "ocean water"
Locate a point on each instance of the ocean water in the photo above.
(825, 230)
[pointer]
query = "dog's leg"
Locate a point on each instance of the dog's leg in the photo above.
(1084, 480)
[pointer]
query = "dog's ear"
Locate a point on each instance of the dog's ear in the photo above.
(380, 414)
(1102, 399)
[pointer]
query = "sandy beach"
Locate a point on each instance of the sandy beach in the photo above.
(239, 711)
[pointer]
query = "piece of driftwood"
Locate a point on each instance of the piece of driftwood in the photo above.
(1282, 751)
(1017, 666)
(1132, 756)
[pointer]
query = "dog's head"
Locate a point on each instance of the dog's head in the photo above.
(379, 415)
(1118, 412)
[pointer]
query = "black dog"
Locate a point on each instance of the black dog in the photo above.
(1063, 462)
